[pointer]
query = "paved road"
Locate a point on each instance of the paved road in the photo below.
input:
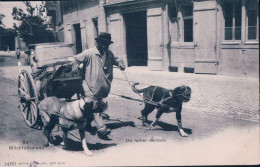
(218, 103)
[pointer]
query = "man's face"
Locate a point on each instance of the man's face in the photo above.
(103, 45)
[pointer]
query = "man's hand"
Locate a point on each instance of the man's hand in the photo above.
(74, 63)
(75, 67)
(183, 134)
(121, 65)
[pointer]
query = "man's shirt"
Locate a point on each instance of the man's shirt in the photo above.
(98, 70)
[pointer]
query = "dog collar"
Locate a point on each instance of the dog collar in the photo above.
(81, 103)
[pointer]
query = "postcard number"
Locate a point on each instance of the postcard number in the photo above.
(10, 163)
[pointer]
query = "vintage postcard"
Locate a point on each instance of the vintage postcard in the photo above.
(129, 83)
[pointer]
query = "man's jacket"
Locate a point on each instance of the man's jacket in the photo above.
(98, 70)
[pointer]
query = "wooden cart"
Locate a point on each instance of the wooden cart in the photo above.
(51, 76)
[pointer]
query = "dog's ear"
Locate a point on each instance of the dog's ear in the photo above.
(88, 106)
(187, 94)
(178, 90)
(189, 89)
(183, 88)
(186, 90)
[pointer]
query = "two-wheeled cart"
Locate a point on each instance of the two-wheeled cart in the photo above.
(51, 75)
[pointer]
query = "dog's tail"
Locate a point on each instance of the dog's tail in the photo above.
(137, 90)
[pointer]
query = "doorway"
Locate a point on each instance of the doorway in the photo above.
(136, 38)
(78, 43)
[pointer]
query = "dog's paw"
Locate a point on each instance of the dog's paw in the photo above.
(183, 134)
(153, 124)
(88, 153)
(64, 145)
(145, 124)
(151, 127)
(47, 144)
(50, 144)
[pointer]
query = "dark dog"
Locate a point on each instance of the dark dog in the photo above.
(166, 101)
(69, 115)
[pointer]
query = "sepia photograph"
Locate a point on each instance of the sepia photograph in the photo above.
(129, 83)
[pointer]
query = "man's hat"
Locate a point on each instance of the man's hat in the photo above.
(103, 36)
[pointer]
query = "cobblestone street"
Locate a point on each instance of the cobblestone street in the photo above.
(222, 109)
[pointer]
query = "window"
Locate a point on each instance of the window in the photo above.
(252, 19)
(233, 15)
(238, 15)
(66, 6)
(181, 18)
(188, 23)
(69, 6)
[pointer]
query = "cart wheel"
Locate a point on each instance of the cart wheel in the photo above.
(28, 97)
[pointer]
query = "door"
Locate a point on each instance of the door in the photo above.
(205, 38)
(155, 39)
(136, 38)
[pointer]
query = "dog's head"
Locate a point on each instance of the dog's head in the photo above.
(183, 93)
(86, 104)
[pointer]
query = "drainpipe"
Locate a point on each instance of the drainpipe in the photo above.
(216, 38)
(102, 23)
(167, 38)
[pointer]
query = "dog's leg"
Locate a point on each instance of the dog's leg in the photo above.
(153, 123)
(48, 125)
(47, 132)
(178, 117)
(145, 112)
(65, 142)
(158, 115)
(98, 120)
(84, 143)
(102, 130)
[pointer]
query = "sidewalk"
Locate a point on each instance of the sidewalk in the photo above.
(10, 53)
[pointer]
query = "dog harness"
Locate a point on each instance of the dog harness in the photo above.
(71, 111)
(163, 98)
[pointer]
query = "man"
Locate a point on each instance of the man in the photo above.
(18, 53)
(97, 75)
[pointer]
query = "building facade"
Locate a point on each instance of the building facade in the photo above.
(199, 36)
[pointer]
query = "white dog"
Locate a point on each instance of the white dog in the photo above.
(69, 115)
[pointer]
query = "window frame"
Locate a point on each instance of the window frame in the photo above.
(180, 22)
(257, 23)
(244, 26)
(233, 23)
